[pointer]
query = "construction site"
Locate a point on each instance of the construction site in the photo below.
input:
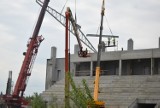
(117, 78)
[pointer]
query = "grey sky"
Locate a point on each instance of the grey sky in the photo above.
(136, 19)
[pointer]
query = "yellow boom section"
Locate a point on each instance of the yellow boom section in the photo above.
(96, 85)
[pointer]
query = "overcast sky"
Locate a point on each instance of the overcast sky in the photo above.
(136, 19)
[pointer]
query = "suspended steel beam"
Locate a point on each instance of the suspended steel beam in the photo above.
(108, 36)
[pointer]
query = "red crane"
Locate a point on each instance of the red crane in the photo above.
(81, 53)
(16, 100)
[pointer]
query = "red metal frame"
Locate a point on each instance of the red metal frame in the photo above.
(25, 71)
(66, 61)
(16, 100)
(66, 43)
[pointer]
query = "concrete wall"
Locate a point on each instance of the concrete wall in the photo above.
(130, 62)
(48, 74)
(50, 69)
(59, 69)
(116, 91)
(116, 55)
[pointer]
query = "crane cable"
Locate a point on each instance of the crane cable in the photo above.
(111, 31)
(108, 26)
(64, 6)
(98, 29)
(75, 11)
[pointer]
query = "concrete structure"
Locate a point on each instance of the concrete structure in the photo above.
(130, 45)
(128, 78)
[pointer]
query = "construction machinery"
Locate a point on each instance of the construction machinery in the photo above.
(62, 20)
(16, 100)
(81, 53)
(69, 16)
(67, 62)
(99, 104)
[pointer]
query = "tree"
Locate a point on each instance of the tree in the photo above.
(81, 96)
(53, 103)
(37, 101)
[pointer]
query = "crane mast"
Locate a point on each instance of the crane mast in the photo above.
(16, 99)
(30, 55)
(97, 77)
(98, 104)
(67, 68)
(82, 53)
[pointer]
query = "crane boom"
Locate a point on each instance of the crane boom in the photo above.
(98, 69)
(30, 55)
(16, 99)
(61, 19)
(69, 18)
(81, 53)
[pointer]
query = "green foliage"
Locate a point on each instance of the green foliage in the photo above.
(53, 103)
(81, 96)
(29, 98)
(37, 101)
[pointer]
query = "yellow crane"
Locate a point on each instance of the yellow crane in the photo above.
(99, 104)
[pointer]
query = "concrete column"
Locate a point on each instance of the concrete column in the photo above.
(76, 49)
(129, 71)
(120, 67)
(53, 52)
(48, 82)
(158, 68)
(152, 66)
(75, 65)
(51, 73)
(159, 42)
(74, 74)
(130, 45)
(91, 68)
(53, 60)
